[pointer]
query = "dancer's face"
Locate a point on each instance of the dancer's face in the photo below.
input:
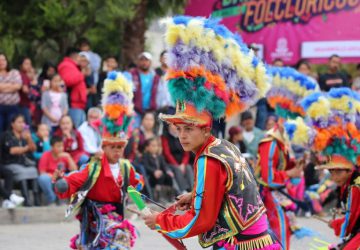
(113, 153)
(191, 137)
(340, 176)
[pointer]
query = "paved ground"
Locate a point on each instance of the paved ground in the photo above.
(55, 236)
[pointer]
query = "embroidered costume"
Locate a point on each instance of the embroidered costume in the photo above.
(288, 89)
(98, 191)
(212, 74)
(331, 127)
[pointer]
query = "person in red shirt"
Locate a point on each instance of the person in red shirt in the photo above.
(74, 80)
(50, 161)
(224, 208)
(98, 190)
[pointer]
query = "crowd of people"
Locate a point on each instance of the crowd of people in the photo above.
(44, 125)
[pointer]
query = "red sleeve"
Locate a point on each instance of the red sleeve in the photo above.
(75, 180)
(135, 179)
(167, 152)
(269, 164)
(43, 163)
(70, 74)
(344, 226)
(207, 199)
(80, 142)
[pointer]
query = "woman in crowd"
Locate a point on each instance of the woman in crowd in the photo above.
(73, 142)
(16, 149)
(54, 103)
(10, 84)
(236, 138)
(47, 72)
(177, 158)
(25, 66)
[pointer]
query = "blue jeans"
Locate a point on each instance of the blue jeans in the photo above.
(6, 113)
(46, 186)
(78, 116)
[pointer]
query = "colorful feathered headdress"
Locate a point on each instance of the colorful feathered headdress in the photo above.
(329, 127)
(117, 107)
(288, 88)
(211, 73)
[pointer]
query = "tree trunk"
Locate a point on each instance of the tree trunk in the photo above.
(134, 35)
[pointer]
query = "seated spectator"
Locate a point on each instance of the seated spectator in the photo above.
(16, 149)
(47, 72)
(146, 131)
(271, 121)
(10, 85)
(236, 137)
(10, 200)
(73, 141)
(51, 160)
(252, 135)
(158, 172)
(90, 134)
(54, 103)
(177, 158)
(41, 140)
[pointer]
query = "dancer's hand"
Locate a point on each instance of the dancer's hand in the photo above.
(183, 202)
(150, 220)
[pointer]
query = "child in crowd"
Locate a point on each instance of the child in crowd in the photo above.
(34, 96)
(41, 140)
(50, 161)
(73, 141)
(158, 171)
(54, 103)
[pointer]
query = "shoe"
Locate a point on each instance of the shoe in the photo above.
(16, 199)
(7, 204)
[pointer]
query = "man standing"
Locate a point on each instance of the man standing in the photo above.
(252, 135)
(333, 78)
(217, 210)
(75, 83)
(146, 83)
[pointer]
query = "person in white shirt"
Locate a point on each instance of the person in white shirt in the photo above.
(91, 135)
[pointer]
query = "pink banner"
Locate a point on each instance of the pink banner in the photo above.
(290, 29)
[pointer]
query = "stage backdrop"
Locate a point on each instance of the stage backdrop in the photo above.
(290, 29)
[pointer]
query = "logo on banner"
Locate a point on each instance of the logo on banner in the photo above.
(257, 14)
(282, 51)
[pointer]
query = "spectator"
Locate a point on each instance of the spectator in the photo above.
(271, 121)
(163, 66)
(254, 47)
(146, 131)
(41, 140)
(94, 58)
(356, 83)
(278, 62)
(157, 170)
(34, 97)
(89, 78)
(25, 66)
(48, 71)
(236, 137)
(51, 160)
(75, 84)
(146, 83)
(333, 78)
(177, 158)
(10, 200)
(110, 64)
(252, 135)
(73, 141)
(90, 134)
(54, 103)
(16, 149)
(304, 67)
(10, 84)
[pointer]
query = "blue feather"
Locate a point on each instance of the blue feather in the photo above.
(290, 129)
(310, 99)
(112, 75)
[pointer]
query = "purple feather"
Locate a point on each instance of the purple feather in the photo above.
(117, 98)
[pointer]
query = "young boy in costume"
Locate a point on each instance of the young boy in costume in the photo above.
(98, 191)
(207, 80)
(332, 128)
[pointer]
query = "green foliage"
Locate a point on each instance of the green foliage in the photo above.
(44, 29)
